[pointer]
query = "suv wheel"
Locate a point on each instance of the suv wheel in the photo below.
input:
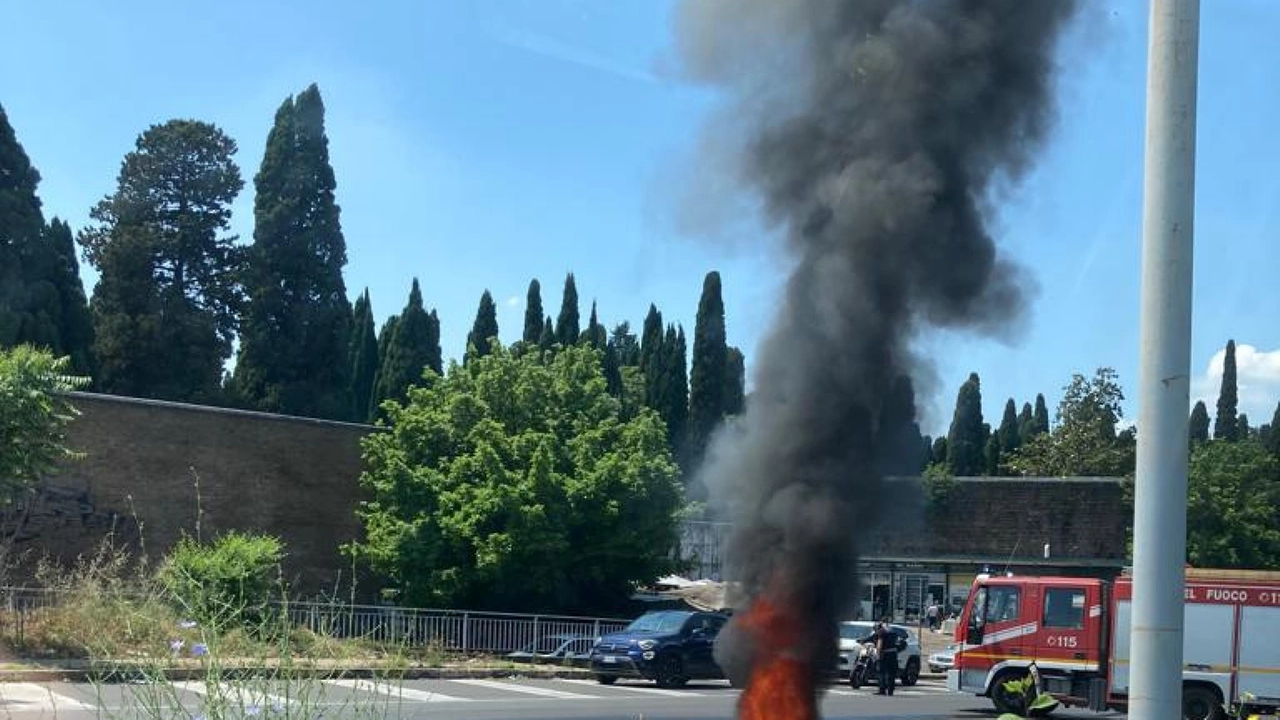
(670, 671)
(606, 679)
(912, 673)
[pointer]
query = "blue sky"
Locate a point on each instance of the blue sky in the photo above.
(480, 144)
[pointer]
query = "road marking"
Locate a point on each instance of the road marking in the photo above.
(528, 689)
(236, 692)
(397, 691)
(13, 695)
(642, 689)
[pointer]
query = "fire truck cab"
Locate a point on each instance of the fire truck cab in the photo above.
(1076, 632)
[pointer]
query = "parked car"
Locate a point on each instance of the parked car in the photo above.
(561, 649)
(670, 647)
(943, 660)
(908, 660)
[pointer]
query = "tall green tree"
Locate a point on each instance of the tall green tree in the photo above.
(966, 440)
(652, 354)
(533, 313)
(735, 382)
(1041, 415)
(547, 340)
(1243, 431)
(166, 304)
(1026, 423)
(296, 327)
(1085, 441)
(707, 378)
(67, 298)
(34, 414)
(567, 322)
(413, 346)
(673, 387)
(625, 345)
(363, 357)
(1008, 436)
(484, 330)
(1272, 440)
(595, 334)
(898, 440)
(1198, 424)
(1225, 425)
(1233, 506)
(515, 484)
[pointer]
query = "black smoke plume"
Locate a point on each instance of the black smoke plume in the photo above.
(875, 133)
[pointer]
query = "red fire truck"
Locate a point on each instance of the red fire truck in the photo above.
(1076, 632)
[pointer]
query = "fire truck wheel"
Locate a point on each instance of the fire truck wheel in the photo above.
(912, 673)
(1200, 703)
(670, 671)
(1005, 701)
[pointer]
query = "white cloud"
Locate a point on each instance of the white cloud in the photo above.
(513, 301)
(1257, 382)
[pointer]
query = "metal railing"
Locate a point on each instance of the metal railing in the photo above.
(442, 629)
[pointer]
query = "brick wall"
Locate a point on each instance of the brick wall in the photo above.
(291, 477)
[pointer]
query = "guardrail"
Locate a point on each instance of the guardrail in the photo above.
(444, 629)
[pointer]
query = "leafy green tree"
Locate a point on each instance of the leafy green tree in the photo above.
(514, 483)
(1225, 425)
(363, 358)
(707, 378)
(296, 328)
(165, 307)
(966, 440)
(735, 382)
(938, 452)
(413, 347)
(567, 325)
(1233, 506)
(1085, 440)
(625, 345)
(484, 330)
(1026, 423)
(227, 582)
(533, 313)
(34, 414)
(1198, 425)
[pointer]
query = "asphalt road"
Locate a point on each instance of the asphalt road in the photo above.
(459, 699)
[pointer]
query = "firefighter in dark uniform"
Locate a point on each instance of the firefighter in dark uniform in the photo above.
(887, 657)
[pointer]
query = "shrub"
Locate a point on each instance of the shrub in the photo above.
(225, 583)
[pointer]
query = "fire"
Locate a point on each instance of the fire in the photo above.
(781, 686)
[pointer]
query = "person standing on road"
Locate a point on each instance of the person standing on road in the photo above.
(887, 656)
(932, 615)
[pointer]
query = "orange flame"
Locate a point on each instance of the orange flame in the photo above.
(781, 686)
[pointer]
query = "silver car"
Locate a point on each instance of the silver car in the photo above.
(943, 660)
(908, 660)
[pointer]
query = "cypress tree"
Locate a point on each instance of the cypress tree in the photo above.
(707, 379)
(296, 328)
(547, 340)
(1008, 434)
(483, 330)
(1272, 440)
(594, 335)
(1198, 425)
(1226, 424)
(363, 357)
(1242, 427)
(1041, 416)
(673, 388)
(74, 323)
(651, 355)
(966, 440)
(435, 357)
(991, 454)
(1026, 423)
(735, 382)
(567, 325)
(408, 351)
(938, 451)
(533, 313)
(165, 305)
(612, 371)
(898, 439)
(21, 227)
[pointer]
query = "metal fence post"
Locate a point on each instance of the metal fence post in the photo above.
(466, 627)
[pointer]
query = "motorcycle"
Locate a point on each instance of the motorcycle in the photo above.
(864, 666)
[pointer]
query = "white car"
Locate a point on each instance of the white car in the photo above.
(943, 660)
(908, 660)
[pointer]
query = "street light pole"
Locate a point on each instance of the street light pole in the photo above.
(1160, 507)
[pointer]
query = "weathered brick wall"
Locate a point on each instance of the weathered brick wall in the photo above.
(291, 477)
(297, 479)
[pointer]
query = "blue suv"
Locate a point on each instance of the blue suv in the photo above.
(670, 647)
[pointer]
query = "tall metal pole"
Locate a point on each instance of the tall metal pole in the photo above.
(1160, 509)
